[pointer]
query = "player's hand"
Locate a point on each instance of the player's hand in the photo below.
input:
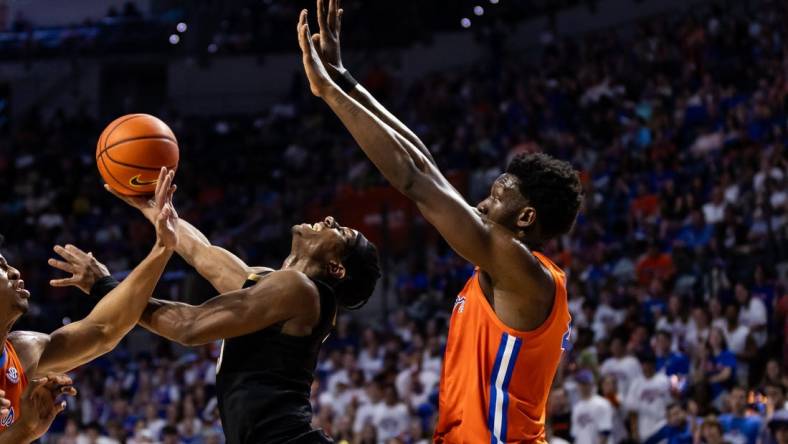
(84, 268)
(326, 41)
(146, 204)
(167, 217)
(39, 404)
(319, 80)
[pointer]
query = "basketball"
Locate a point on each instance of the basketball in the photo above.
(132, 149)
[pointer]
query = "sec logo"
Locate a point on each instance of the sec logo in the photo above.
(13, 375)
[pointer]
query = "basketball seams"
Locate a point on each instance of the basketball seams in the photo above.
(139, 167)
(134, 116)
(134, 139)
(106, 168)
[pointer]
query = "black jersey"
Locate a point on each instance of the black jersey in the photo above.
(264, 379)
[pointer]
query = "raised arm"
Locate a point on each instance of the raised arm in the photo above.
(410, 171)
(224, 270)
(326, 42)
(115, 315)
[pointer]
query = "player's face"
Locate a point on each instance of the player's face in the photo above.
(13, 296)
(506, 206)
(324, 241)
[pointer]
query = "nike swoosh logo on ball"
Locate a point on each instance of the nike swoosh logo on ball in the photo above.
(135, 181)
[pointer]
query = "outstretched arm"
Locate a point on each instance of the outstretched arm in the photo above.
(410, 171)
(326, 42)
(115, 315)
(224, 270)
(281, 297)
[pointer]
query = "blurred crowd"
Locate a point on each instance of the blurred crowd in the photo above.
(676, 268)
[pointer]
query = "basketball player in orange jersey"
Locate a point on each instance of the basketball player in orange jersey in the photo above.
(29, 355)
(511, 322)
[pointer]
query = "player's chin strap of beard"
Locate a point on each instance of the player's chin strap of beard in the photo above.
(358, 240)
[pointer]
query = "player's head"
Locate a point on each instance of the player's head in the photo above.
(538, 197)
(342, 256)
(13, 296)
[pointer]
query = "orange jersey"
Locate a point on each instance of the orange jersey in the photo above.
(495, 380)
(13, 381)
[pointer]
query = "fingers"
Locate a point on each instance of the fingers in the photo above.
(321, 16)
(64, 282)
(63, 266)
(68, 391)
(300, 32)
(339, 22)
(59, 408)
(36, 384)
(332, 16)
(65, 253)
(58, 379)
(160, 187)
(170, 193)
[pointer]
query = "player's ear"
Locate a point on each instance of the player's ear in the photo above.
(526, 217)
(336, 269)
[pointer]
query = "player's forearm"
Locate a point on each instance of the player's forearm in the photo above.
(368, 101)
(224, 270)
(167, 319)
(117, 313)
(395, 157)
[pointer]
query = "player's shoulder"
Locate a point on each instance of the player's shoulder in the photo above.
(28, 345)
(22, 338)
(295, 287)
(295, 279)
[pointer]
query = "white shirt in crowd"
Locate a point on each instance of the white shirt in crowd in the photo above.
(754, 315)
(736, 339)
(625, 369)
(714, 213)
(590, 418)
(391, 421)
(364, 415)
(649, 397)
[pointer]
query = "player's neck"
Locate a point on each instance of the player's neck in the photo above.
(303, 264)
(530, 240)
(5, 329)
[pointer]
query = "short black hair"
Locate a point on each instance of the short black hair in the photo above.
(552, 187)
(362, 271)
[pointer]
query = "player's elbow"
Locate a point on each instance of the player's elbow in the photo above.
(107, 338)
(412, 181)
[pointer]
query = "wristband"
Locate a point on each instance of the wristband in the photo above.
(346, 82)
(103, 286)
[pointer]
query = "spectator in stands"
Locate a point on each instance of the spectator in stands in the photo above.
(592, 415)
(647, 399)
(740, 426)
(677, 430)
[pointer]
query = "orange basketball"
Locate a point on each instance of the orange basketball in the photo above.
(131, 151)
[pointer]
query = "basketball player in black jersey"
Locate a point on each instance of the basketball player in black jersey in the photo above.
(272, 321)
